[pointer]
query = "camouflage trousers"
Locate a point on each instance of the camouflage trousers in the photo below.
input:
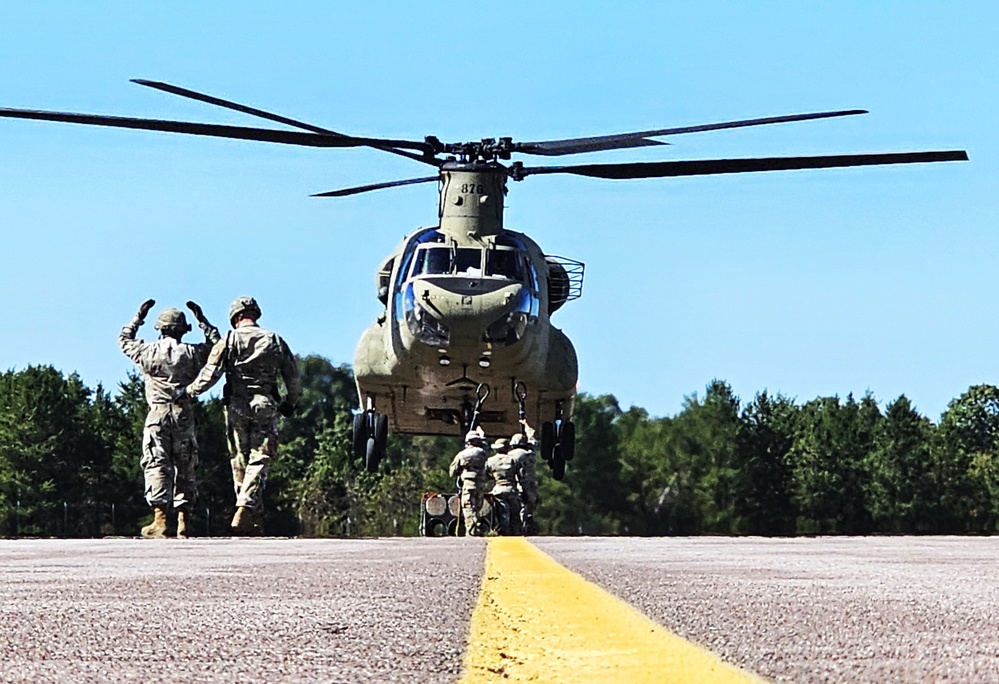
(471, 507)
(510, 521)
(253, 444)
(169, 456)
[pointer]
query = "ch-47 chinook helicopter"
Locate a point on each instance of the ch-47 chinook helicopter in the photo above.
(466, 336)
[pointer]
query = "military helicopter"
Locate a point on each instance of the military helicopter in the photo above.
(466, 337)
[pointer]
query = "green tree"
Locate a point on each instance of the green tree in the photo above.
(964, 462)
(51, 455)
(900, 493)
(828, 459)
(764, 442)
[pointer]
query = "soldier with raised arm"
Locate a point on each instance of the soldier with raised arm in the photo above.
(169, 445)
(505, 470)
(522, 447)
(253, 360)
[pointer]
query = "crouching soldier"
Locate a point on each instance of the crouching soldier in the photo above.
(469, 465)
(169, 446)
(505, 471)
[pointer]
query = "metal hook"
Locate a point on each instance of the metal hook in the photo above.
(481, 394)
(520, 389)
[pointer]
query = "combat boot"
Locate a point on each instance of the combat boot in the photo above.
(242, 522)
(183, 521)
(158, 527)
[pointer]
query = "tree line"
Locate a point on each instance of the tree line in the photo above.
(69, 465)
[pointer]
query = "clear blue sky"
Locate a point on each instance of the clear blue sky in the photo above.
(810, 283)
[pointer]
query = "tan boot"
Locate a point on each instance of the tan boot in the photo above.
(183, 520)
(242, 522)
(158, 527)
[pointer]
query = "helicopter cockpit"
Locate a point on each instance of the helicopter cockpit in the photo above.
(499, 276)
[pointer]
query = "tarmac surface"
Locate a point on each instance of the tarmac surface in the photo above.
(833, 609)
(236, 610)
(871, 609)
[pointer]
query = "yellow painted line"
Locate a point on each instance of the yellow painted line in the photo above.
(536, 621)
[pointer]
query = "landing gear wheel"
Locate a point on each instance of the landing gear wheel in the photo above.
(547, 441)
(381, 434)
(558, 464)
(371, 455)
(359, 434)
(567, 439)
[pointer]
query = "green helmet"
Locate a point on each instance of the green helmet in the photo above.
(244, 305)
(172, 319)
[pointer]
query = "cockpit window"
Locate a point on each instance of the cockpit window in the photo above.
(444, 260)
(504, 263)
(433, 260)
(468, 261)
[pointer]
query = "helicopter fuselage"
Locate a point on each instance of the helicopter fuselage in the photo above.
(467, 303)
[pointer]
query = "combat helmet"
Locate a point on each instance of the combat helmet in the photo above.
(500, 444)
(244, 305)
(474, 437)
(173, 320)
(518, 440)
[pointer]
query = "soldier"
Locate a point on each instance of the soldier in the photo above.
(169, 446)
(470, 466)
(522, 453)
(252, 359)
(505, 470)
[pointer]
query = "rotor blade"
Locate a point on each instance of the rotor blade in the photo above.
(374, 186)
(214, 130)
(706, 167)
(253, 111)
(623, 140)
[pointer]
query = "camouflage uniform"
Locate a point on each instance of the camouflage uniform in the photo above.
(252, 359)
(470, 466)
(522, 453)
(169, 446)
(505, 470)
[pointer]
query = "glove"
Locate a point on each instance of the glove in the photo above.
(199, 315)
(144, 309)
(287, 409)
(179, 395)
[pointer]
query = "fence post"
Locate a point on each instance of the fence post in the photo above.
(208, 521)
(17, 517)
(65, 520)
(114, 526)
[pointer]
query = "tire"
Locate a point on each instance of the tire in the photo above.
(567, 440)
(547, 440)
(359, 434)
(558, 466)
(381, 434)
(371, 455)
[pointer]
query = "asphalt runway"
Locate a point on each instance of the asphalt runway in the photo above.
(283, 610)
(834, 609)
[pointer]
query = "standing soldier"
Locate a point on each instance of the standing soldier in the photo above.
(169, 446)
(505, 469)
(470, 466)
(522, 453)
(252, 359)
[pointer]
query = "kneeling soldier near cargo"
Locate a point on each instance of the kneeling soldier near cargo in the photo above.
(169, 445)
(252, 359)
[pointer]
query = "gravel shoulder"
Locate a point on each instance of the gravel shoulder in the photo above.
(871, 609)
